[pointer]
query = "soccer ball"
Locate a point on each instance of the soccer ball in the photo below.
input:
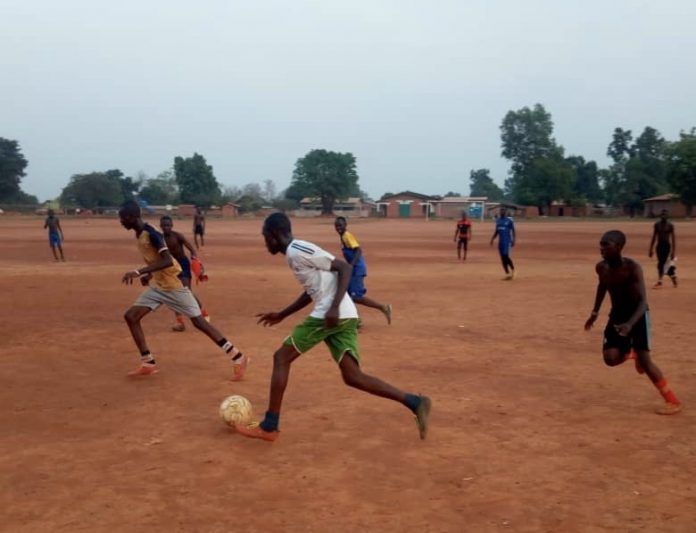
(235, 410)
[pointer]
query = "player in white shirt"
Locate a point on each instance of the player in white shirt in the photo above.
(333, 320)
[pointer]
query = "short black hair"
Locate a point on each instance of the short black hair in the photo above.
(278, 223)
(166, 217)
(615, 236)
(130, 207)
(341, 218)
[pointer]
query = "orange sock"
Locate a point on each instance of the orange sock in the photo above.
(179, 319)
(666, 392)
(204, 312)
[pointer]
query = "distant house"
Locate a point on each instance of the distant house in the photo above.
(186, 210)
(454, 206)
(351, 207)
(514, 210)
(670, 202)
(230, 210)
(406, 204)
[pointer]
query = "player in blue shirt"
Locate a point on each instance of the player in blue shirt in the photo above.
(505, 231)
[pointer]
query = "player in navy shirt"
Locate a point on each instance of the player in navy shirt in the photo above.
(505, 231)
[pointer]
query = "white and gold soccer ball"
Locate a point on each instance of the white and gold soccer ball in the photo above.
(235, 410)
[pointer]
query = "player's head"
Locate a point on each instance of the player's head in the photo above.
(463, 215)
(199, 210)
(611, 244)
(503, 211)
(166, 224)
(664, 214)
(277, 232)
(51, 212)
(340, 224)
(129, 214)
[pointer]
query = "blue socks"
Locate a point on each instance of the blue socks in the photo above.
(412, 402)
(270, 421)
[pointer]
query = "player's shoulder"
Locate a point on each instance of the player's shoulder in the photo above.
(299, 247)
(631, 263)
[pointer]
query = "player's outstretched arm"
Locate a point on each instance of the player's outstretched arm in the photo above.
(599, 298)
(183, 241)
(270, 319)
(495, 234)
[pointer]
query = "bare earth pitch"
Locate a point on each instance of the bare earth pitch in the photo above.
(530, 431)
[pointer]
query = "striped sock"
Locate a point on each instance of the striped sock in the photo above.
(229, 349)
(146, 358)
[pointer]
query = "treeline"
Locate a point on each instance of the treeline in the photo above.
(642, 166)
(540, 174)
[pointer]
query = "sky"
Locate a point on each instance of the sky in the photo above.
(415, 90)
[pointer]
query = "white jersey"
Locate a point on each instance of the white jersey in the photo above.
(312, 268)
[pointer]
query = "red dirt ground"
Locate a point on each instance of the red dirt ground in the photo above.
(530, 431)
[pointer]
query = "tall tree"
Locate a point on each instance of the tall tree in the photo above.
(329, 176)
(481, 184)
(526, 136)
(12, 165)
(546, 180)
(620, 148)
(681, 168)
(196, 181)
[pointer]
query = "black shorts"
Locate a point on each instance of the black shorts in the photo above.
(198, 230)
(463, 241)
(638, 339)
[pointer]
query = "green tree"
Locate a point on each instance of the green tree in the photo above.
(481, 184)
(526, 136)
(329, 176)
(681, 168)
(161, 190)
(94, 190)
(586, 183)
(639, 170)
(545, 181)
(12, 165)
(196, 181)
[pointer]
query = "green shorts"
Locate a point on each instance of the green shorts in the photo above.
(341, 339)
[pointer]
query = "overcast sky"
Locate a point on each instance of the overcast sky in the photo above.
(416, 90)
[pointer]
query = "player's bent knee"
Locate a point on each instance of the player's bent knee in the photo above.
(613, 358)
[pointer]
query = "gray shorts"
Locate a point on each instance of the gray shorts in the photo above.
(179, 300)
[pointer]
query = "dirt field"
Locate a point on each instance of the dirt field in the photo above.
(530, 431)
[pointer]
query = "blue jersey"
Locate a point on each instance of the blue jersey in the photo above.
(504, 226)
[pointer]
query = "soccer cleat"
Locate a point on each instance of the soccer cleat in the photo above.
(387, 310)
(508, 277)
(145, 369)
(674, 281)
(239, 367)
(513, 275)
(179, 328)
(669, 409)
(657, 285)
(422, 414)
(255, 431)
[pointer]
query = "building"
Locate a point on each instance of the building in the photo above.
(514, 210)
(351, 207)
(229, 210)
(406, 204)
(670, 202)
(454, 206)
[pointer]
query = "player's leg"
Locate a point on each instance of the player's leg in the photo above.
(459, 248)
(178, 317)
(60, 249)
(615, 348)
(663, 250)
(55, 253)
(465, 244)
(357, 291)
(640, 338)
(133, 317)
(343, 343)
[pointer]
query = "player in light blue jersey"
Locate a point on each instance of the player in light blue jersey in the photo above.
(505, 231)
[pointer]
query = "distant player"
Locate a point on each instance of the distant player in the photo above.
(55, 234)
(505, 231)
(333, 320)
(199, 227)
(627, 334)
(164, 271)
(176, 242)
(663, 233)
(462, 235)
(352, 253)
